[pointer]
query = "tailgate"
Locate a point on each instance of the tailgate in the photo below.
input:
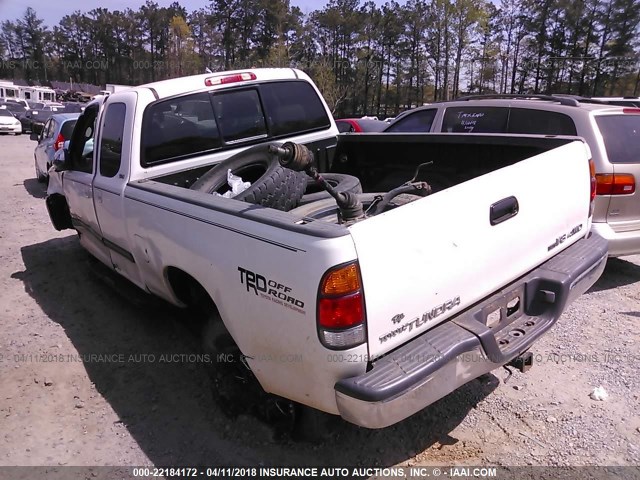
(428, 260)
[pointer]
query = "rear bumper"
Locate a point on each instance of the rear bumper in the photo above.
(463, 348)
(10, 128)
(620, 243)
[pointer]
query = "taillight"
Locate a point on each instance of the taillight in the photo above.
(59, 143)
(616, 184)
(631, 110)
(225, 79)
(341, 312)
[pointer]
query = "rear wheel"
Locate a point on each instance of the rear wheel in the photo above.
(41, 177)
(233, 385)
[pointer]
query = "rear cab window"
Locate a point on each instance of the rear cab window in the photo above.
(621, 135)
(178, 127)
(205, 122)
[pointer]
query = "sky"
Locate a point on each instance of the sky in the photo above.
(53, 11)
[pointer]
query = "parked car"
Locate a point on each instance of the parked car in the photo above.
(357, 125)
(16, 108)
(34, 120)
(19, 101)
(9, 123)
(391, 313)
(56, 131)
(612, 133)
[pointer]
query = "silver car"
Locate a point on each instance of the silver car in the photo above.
(55, 131)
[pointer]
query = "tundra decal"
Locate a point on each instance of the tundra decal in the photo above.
(270, 290)
(419, 321)
(563, 238)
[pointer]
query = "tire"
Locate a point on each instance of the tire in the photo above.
(327, 210)
(271, 184)
(315, 427)
(41, 177)
(339, 181)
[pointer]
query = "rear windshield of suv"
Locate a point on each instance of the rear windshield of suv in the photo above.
(198, 123)
(621, 134)
(507, 120)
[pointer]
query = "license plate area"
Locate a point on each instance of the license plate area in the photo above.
(504, 310)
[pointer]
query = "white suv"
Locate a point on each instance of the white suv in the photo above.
(612, 133)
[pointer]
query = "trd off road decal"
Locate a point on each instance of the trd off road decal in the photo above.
(270, 290)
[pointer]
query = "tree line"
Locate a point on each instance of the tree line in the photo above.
(366, 59)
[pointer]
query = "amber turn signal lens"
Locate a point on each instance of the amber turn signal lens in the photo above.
(340, 281)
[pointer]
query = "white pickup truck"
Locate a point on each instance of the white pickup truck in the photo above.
(370, 310)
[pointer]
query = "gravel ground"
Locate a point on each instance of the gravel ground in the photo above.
(55, 305)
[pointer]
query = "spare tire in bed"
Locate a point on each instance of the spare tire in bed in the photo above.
(339, 181)
(271, 184)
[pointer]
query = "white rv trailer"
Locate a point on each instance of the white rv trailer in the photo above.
(38, 94)
(8, 90)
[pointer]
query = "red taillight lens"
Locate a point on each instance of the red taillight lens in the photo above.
(631, 110)
(225, 79)
(341, 312)
(616, 184)
(59, 143)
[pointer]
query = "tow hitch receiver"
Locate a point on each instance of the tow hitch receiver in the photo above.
(523, 362)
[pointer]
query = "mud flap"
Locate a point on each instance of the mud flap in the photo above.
(59, 211)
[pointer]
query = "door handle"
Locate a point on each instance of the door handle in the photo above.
(503, 210)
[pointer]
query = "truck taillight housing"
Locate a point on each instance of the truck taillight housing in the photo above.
(616, 184)
(341, 311)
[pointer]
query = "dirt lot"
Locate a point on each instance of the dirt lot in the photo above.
(56, 409)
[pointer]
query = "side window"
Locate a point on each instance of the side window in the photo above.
(621, 135)
(541, 122)
(239, 115)
(475, 119)
(111, 139)
(416, 122)
(178, 127)
(293, 107)
(52, 128)
(46, 129)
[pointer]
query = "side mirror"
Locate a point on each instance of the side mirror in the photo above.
(34, 136)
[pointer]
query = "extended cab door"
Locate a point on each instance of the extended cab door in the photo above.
(77, 185)
(113, 156)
